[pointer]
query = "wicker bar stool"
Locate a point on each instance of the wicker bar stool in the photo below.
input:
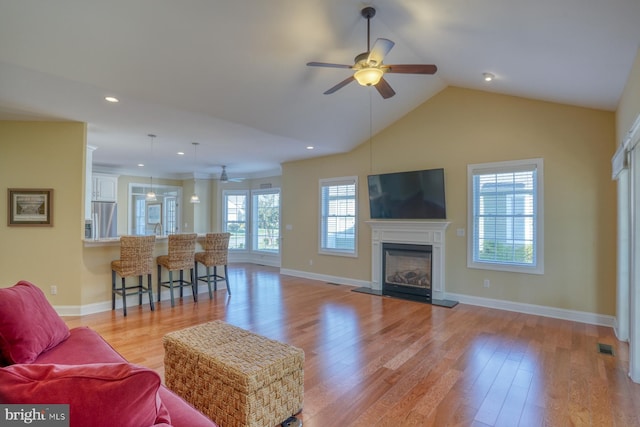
(136, 259)
(181, 257)
(216, 248)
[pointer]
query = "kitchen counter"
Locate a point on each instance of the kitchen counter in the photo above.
(115, 241)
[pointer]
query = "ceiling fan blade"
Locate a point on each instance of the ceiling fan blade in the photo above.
(385, 89)
(327, 65)
(379, 50)
(340, 85)
(411, 68)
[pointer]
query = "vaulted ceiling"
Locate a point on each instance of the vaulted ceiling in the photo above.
(231, 75)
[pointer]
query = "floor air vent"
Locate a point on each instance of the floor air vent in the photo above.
(605, 349)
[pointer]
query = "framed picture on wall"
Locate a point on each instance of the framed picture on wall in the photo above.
(31, 207)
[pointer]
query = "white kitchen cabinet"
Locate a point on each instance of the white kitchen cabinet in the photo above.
(105, 188)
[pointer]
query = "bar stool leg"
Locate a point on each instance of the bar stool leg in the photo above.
(194, 286)
(124, 298)
(150, 286)
(159, 282)
(173, 303)
(226, 279)
(113, 290)
(209, 281)
(139, 290)
(181, 282)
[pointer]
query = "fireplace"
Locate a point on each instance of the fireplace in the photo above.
(420, 233)
(406, 271)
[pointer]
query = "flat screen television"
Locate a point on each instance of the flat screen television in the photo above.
(407, 195)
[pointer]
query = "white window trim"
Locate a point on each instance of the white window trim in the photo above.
(538, 164)
(324, 182)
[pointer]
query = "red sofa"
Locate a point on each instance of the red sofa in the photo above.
(46, 363)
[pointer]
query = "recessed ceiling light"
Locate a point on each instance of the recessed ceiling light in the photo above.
(111, 99)
(310, 147)
(140, 165)
(180, 153)
(488, 77)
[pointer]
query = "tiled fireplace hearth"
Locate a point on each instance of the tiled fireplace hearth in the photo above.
(428, 233)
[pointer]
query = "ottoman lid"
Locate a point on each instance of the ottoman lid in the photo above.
(239, 358)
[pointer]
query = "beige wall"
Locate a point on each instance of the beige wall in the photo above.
(629, 106)
(44, 155)
(458, 127)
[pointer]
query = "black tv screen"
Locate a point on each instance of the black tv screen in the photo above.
(407, 195)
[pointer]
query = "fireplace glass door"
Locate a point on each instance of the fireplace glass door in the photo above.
(406, 271)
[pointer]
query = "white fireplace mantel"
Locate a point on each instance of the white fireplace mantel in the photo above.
(410, 232)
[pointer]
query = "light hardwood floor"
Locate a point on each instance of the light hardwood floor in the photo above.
(375, 361)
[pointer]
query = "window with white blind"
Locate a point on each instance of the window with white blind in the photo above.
(505, 216)
(338, 216)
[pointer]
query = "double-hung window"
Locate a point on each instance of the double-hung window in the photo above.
(338, 216)
(505, 216)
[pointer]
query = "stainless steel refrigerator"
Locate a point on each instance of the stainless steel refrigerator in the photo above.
(104, 216)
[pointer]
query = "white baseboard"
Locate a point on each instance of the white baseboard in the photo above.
(132, 301)
(326, 278)
(254, 258)
(539, 310)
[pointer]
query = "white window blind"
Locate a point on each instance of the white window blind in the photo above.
(338, 216)
(505, 221)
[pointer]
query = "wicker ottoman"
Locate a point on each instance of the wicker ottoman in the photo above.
(233, 376)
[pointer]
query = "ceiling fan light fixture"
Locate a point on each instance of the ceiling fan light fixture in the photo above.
(369, 76)
(488, 77)
(223, 175)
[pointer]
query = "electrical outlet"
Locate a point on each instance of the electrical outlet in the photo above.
(54, 290)
(486, 283)
(460, 232)
(310, 262)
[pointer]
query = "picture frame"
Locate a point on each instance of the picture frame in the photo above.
(30, 207)
(154, 213)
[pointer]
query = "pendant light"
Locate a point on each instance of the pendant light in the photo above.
(151, 195)
(194, 197)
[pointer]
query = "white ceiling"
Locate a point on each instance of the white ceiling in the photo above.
(231, 75)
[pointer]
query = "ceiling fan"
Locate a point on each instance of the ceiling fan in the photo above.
(368, 66)
(225, 178)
